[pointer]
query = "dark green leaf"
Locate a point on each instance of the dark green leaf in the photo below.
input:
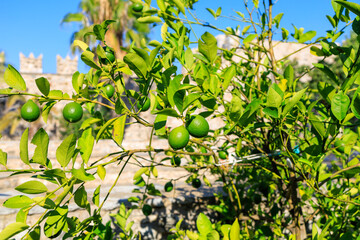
(81, 197)
(43, 85)
(354, 7)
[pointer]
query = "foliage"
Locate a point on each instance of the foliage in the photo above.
(125, 29)
(283, 176)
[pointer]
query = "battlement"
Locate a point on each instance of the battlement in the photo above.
(33, 64)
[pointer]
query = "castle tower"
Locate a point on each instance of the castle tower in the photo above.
(66, 65)
(31, 64)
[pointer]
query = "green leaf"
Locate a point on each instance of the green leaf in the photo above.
(235, 230)
(159, 124)
(66, 150)
(213, 235)
(46, 110)
(354, 7)
(104, 127)
(82, 175)
(21, 216)
(77, 81)
(81, 44)
(274, 96)
(331, 20)
(12, 229)
(203, 224)
(96, 196)
(24, 153)
(86, 144)
(180, 5)
(235, 108)
(208, 46)
(355, 104)
(326, 90)
(41, 140)
(307, 36)
(293, 101)
(3, 158)
(277, 19)
(99, 32)
(327, 71)
(228, 75)
(88, 122)
(249, 38)
(289, 75)
(212, 12)
(168, 112)
(173, 88)
(118, 130)
(19, 201)
(81, 197)
(43, 85)
(340, 105)
(73, 17)
(225, 229)
(13, 78)
(149, 19)
(32, 187)
(55, 222)
(189, 99)
(137, 64)
(189, 58)
(101, 171)
(88, 58)
(140, 172)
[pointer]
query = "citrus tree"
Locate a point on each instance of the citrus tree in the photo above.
(286, 159)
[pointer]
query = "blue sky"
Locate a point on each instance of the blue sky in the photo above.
(34, 26)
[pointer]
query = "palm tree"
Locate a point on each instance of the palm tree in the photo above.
(125, 30)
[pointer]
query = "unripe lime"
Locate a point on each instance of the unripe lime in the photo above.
(168, 187)
(143, 104)
(339, 146)
(197, 126)
(179, 137)
(30, 111)
(110, 56)
(147, 209)
(196, 183)
(176, 161)
(109, 90)
(223, 154)
(137, 7)
(72, 112)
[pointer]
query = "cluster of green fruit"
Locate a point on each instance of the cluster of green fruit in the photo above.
(72, 112)
(196, 126)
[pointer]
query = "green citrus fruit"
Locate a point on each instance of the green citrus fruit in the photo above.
(147, 209)
(110, 56)
(30, 111)
(223, 154)
(109, 90)
(137, 7)
(168, 187)
(72, 112)
(175, 161)
(143, 104)
(196, 183)
(197, 126)
(179, 137)
(339, 146)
